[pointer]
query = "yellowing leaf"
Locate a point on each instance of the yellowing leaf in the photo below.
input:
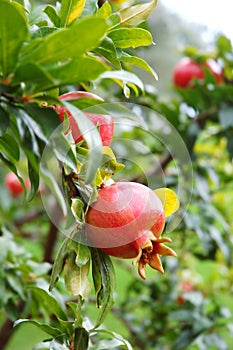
(71, 10)
(169, 199)
(108, 151)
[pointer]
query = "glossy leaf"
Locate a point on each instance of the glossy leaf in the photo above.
(131, 37)
(70, 11)
(59, 262)
(92, 137)
(124, 77)
(11, 36)
(9, 147)
(104, 282)
(138, 62)
(50, 302)
(134, 15)
(63, 44)
(169, 199)
(53, 15)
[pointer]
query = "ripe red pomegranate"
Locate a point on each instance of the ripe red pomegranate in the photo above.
(103, 122)
(187, 69)
(13, 184)
(127, 221)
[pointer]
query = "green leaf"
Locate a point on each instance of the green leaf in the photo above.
(82, 253)
(90, 8)
(139, 62)
(63, 44)
(81, 339)
(131, 37)
(4, 121)
(63, 151)
(13, 32)
(13, 168)
(134, 15)
(108, 50)
(34, 179)
(76, 278)
(53, 15)
(77, 71)
(70, 11)
(46, 117)
(9, 147)
(59, 262)
(35, 77)
(124, 76)
(92, 137)
(50, 302)
(54, 332)
(104, 282)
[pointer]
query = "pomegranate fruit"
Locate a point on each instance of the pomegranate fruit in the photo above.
(127, 221)
(187, 69)
(14, 186)
(103, 122)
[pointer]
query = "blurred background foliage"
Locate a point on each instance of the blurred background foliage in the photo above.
(190, 307)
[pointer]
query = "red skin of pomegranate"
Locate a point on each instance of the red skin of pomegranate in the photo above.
(127, 221)
(13, 184)
(103, 122)
(187, 69)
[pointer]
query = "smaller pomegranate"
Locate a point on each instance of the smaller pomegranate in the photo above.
(14, 186)
(187, 69)
(104, 122)
(127, 221)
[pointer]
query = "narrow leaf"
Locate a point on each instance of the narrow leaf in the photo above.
(9, 147)
(4, 121)
(50, 302)
(104, 282)
(59, 263)
(54, 332)
(53, 15)
(13, 32)
(92, 137)
(131, 37)
(70, 10)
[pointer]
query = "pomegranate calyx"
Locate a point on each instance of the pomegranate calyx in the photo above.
(151, 255)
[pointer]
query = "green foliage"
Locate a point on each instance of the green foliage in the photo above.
(49, 280)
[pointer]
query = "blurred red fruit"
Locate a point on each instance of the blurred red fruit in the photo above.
(13, 184)
(187, 69)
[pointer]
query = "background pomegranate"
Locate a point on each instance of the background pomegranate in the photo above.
(105, 123)
(127, 221)
(187, 69)
(14, 186)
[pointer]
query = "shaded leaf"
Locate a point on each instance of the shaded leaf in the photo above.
(104, 282)
(4, 121)
(81, 339)
(124, 76)
(9, 147)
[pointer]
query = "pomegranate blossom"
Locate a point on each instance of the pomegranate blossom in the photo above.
(127, 221)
